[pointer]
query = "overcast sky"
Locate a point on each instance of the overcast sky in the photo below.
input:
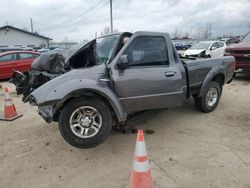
(61, 20)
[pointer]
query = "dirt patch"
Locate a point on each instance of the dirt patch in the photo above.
(186, 148)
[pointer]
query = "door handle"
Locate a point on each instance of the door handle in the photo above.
(170, 73)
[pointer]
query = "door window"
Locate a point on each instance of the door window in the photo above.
(220, 44)
(214, 45)
(147, 51)
(25, 56)
(9, 57)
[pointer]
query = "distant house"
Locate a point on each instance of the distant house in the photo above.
(12, 36)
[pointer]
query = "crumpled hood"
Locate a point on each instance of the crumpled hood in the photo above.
(194, 51)
(71, 51)
(76, 75)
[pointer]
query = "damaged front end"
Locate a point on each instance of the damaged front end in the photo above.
(80, 73)
(49, 66)
(43, 69)
(46, 112)
(46, 90)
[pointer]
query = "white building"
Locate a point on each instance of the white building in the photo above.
(12, 36)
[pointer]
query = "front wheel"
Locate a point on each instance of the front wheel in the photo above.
(210, 99)
(85, 122)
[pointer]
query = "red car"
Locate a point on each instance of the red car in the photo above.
(17, 60)
(241, 52)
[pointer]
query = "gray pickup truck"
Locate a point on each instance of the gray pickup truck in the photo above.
(110, 77)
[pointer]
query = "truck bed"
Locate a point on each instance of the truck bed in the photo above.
(198, 69)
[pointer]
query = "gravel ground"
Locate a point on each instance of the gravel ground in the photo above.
(187, 148)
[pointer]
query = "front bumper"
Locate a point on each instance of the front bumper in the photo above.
(241, 62)
(46, 112)
(241, 65)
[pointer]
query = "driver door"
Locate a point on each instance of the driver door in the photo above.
(150, 82)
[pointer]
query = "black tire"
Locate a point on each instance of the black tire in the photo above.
(202, 104)
(72, 138)
(234, 75)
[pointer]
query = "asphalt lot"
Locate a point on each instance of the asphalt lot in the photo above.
(187, 148)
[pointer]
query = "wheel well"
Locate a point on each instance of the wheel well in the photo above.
(90, 94)
(220, 78)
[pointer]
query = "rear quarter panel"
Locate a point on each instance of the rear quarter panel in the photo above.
(199, 70)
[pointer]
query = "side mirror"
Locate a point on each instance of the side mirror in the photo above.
(213, 48)
(123, 62)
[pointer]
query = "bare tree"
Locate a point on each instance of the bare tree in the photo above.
(248, 26)
(199, 32)
(176, 34)
(204, 32)
(107, 30)
(186, 35)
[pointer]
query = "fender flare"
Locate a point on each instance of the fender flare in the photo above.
(210, 75)
(109, 95)
(58, 92)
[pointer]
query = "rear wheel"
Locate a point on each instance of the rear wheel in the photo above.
(209, 101)
(85, 122)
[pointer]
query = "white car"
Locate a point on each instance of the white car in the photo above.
(206, 49)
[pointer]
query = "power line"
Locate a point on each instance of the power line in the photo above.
(91, 8)
(76, 17)
(68, 25)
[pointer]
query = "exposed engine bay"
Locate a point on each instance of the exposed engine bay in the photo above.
(50, 65)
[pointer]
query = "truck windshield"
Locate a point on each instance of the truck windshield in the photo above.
(201, 45)
(105, 47)
(246, 39)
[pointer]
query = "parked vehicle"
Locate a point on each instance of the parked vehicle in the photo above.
(206, 49)
(36, 48)
(231, 40)
(226, 40)
(14, 48)
(49, 48)
(46, 67)
(106, 80)
(182, 46)
(17, 60)
(241, 52)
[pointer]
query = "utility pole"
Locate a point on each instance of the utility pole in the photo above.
(210, 30)
(111, 17)
(31, 25)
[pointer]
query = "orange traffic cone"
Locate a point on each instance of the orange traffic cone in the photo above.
(10, 113)
(141, 173)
